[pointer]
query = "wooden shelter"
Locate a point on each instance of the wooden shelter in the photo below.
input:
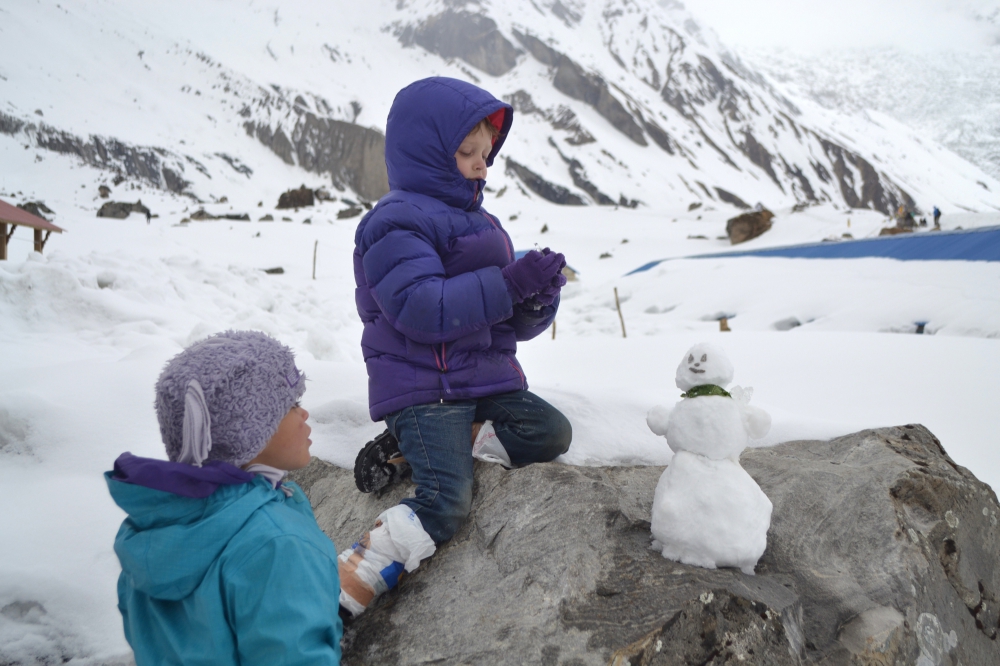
(15, 217)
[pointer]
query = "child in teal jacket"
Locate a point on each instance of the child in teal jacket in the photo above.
(222, 561)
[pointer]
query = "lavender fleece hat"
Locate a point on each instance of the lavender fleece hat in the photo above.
(247, 382)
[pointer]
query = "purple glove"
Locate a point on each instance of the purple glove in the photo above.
(531, 273)
(549, 293)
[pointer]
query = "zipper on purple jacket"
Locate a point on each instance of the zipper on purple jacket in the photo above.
(524, 384)
(442, 364)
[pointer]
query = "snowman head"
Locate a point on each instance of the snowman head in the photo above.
(704, 364)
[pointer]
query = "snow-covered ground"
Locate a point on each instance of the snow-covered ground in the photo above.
(87, 326)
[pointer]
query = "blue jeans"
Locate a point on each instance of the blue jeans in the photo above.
(436, 440)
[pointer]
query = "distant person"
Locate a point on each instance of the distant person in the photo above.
(444, 303)
(222, 561)
(149, 216)
(937, 217)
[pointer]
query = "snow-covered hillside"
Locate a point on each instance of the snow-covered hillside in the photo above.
(223, 106)
(619, 103)
(950, 97)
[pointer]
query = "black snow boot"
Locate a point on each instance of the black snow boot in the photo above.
(380, 464)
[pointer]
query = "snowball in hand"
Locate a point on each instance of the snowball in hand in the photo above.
(707, 511)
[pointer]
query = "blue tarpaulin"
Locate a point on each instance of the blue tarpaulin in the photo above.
(981, 244)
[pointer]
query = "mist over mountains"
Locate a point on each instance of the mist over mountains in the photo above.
(624, 102)
(952, 97)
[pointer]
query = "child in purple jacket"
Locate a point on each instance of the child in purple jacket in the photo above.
(444, 303)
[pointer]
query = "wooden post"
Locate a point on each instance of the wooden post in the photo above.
(315, 245)
(3, 241)
(553, 329)
(618, 306)
(39, 244)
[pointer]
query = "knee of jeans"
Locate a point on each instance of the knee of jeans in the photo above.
(561, 436)
(452, 513)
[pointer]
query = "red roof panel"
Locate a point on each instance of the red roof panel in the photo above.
(14, 215)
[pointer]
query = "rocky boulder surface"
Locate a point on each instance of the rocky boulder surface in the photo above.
(881, 550)
(119, 210)
(299, 198)
(748, 225)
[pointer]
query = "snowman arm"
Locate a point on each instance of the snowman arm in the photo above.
(756, 421)
(657, 419)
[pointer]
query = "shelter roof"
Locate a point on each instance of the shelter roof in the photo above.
(14, 215)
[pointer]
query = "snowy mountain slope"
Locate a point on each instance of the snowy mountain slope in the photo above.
(86, 327)
(620, 102)
(951, 97)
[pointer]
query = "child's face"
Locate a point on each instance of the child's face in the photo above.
(288, 449)
(472, 154)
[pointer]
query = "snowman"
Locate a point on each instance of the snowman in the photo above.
(707, 511)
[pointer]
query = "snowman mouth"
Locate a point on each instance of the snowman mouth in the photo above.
(700, 372)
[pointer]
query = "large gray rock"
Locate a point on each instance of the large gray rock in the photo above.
(881, 551)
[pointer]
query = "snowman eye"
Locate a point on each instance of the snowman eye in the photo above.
(690, 358)
(704, 357)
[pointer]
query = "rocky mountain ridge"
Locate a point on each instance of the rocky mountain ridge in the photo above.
(629, 102)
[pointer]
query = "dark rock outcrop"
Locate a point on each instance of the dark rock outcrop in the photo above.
(730, 198)
(119, 210)
(748, 225)
(876, 192)
(543, 188)
(473, 38)
(348, 213)
(571, 79)
(298, 198)
(37, 208)
(560, 118)
(881, 551)
(156, 166)
(353, 155)
(579, 176)
(759, 155)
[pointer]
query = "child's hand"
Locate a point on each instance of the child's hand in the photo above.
(549, 293)
(532, 273)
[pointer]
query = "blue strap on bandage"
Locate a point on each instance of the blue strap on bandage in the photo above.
(391, 574)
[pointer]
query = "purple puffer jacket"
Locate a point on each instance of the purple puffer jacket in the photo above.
(439, 323)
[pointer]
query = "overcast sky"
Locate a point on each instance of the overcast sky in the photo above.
(814, 25)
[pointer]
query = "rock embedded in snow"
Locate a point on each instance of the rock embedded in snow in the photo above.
(748, 225)
(881, 550)
(119, 210)
(298, 198)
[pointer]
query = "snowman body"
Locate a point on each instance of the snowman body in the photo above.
(710, 513)
(707, 511)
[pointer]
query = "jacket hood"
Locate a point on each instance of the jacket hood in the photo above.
(427, 123)
(175, 531)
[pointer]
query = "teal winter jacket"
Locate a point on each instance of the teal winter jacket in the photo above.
(239, 575)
